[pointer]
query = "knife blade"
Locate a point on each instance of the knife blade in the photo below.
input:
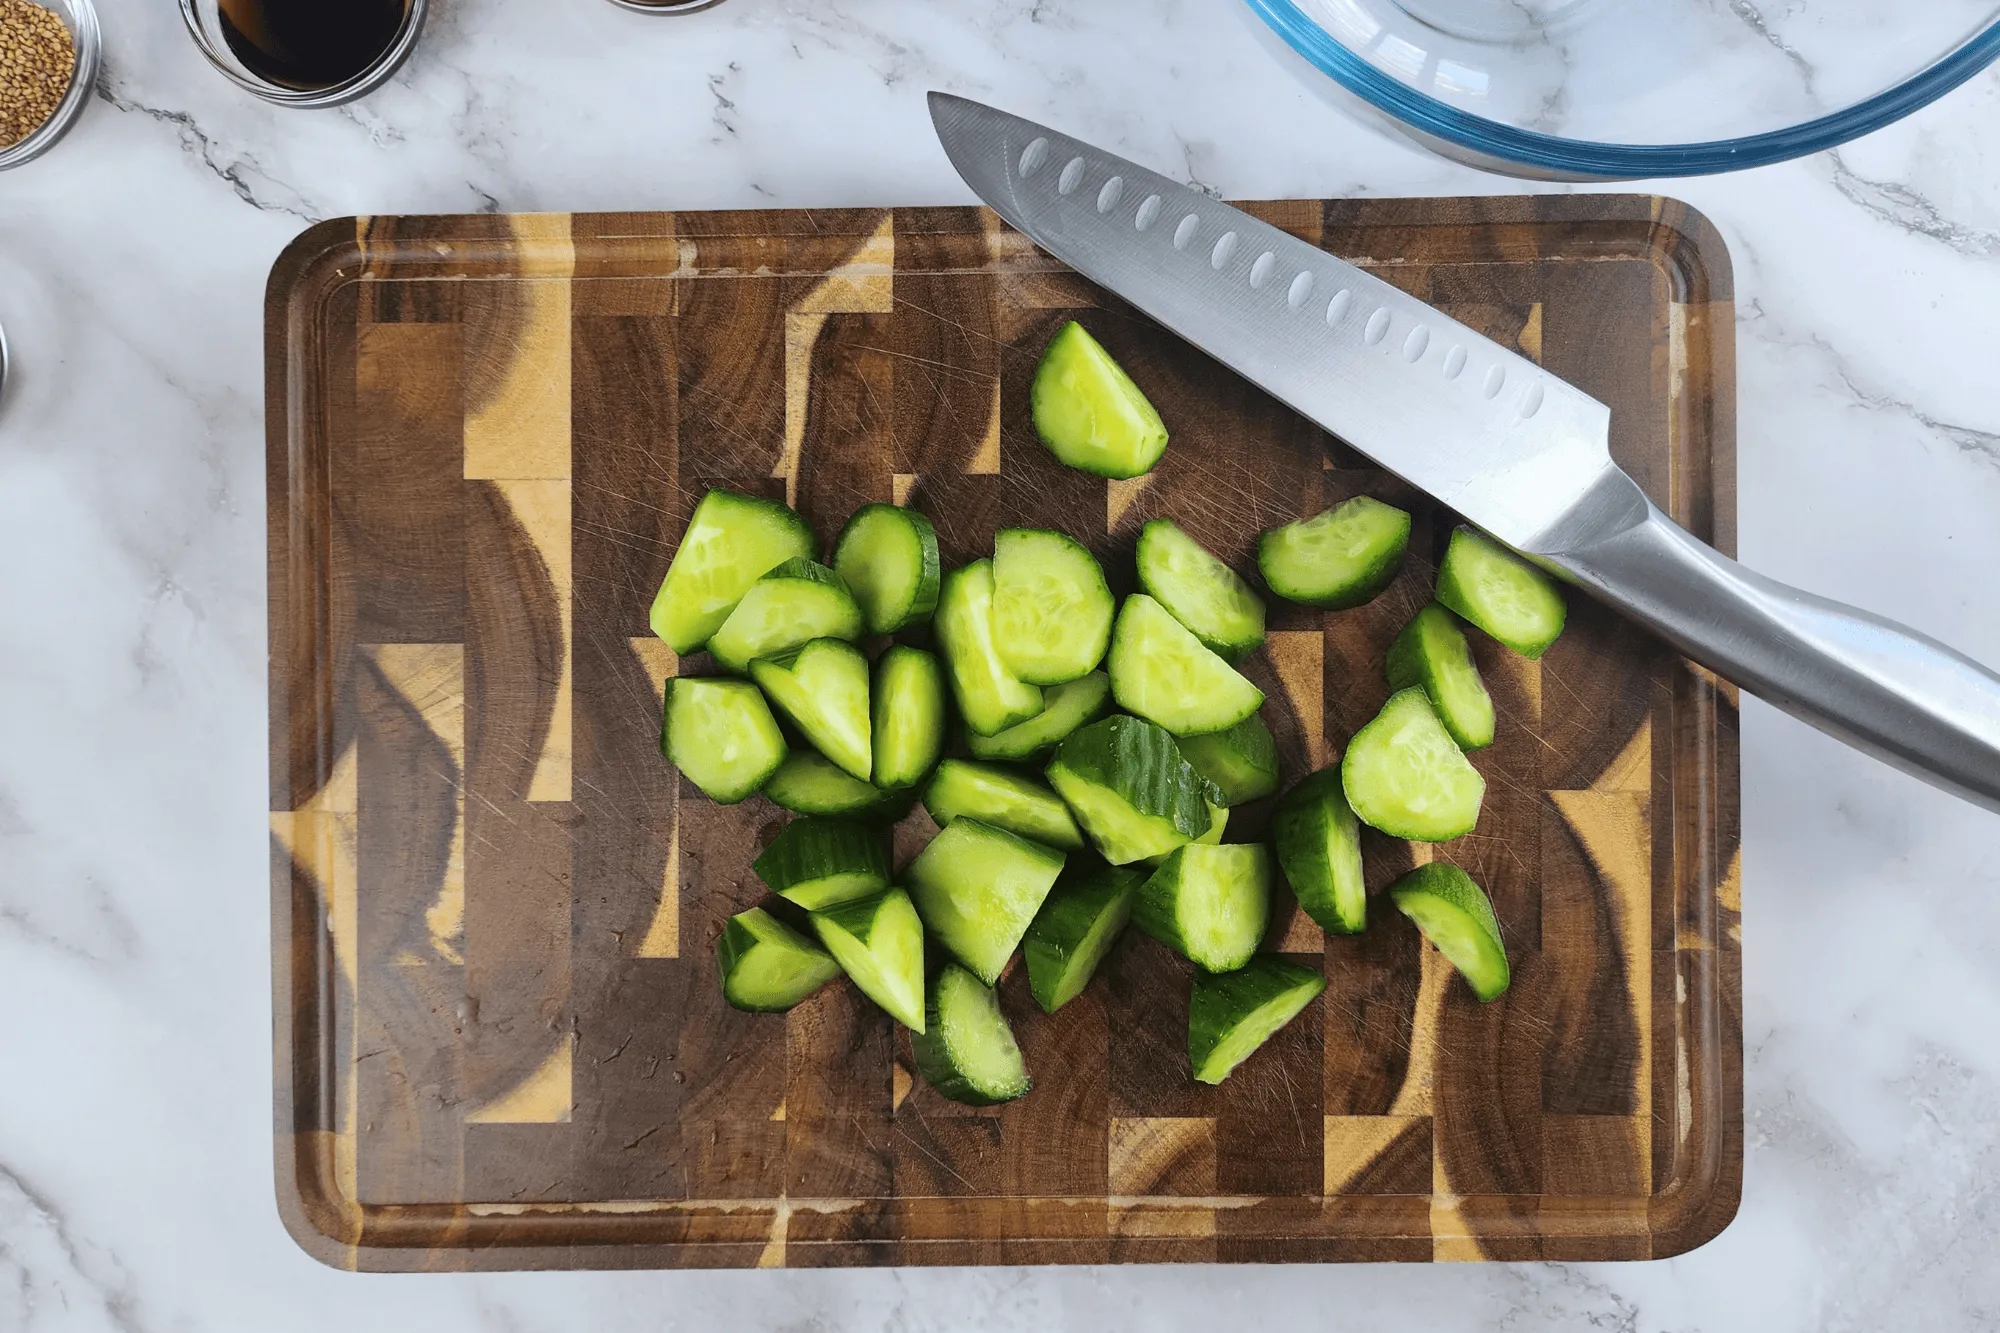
(1517, 451)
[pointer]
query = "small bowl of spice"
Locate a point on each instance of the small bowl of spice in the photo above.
(49, 52)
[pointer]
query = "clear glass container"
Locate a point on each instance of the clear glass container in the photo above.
(81, 20)
(204, 24)
(1631, 89)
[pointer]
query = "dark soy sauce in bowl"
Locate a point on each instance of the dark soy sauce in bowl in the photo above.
(311, 44)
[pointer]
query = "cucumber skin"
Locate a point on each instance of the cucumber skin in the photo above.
(1299, 832)
(1241, 763)
(1008, 744)
(738, 939)
(1156, 908)
(1219, 1002)
(1156, 772)
(934, 1060)
(946, 635)
(1362, 806)
(1367, 584)
(681, 683)
(903, 668)
(803, 848)
(1154, 535)
(1441, 880)
(1069, 915)
(925, 600)
(1410, 662)
(801, 537)
(1456, 594)
(1043, 384)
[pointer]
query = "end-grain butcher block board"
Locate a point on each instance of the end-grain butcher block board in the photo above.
(500, 1038)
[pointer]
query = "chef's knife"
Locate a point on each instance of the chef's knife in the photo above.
(1517, 451)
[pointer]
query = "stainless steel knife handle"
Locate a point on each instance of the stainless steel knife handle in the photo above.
(1881, 687)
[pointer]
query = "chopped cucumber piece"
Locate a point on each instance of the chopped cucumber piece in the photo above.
(823, 689)
(1456, 915)
(793, 604)
(721, 734)
(1431, 653)
(966, 1050)
(1405, 775)
(820, 863)
(1209, 904)
(1501, 593)
(1229, 1017)
(1242, 762)
(731, 541)
(990, 697)
(1198, 590)
(909, 716)
(766, 966)
(811, 784)
(1218, 821)
(978, 887)
(879, 943)
(1089, 412)
(889, 557)
(1130, 788)
(1319, 849)
(1005, 800)
(1051, 606)
(1079, 922)
(1068, 706)
(1162, 673)
(1340, 558)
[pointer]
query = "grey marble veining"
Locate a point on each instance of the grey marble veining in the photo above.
(135, 1178)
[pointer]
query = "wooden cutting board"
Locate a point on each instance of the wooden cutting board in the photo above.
(500, 1041)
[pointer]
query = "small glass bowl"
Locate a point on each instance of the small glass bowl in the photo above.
(81, 20)
(204, 26)
(666, 6)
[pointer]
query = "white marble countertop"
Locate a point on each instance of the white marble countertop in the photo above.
(135, 1162)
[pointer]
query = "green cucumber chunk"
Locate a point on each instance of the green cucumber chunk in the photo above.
(731, 541)
(990, 697)
(1318, 841)
(823, 689)
(1208, 904)
(1431, 654)
(1338, 559)
(1130, 788)
(1080, 920)
(966, 1049)
(1089, 413)
(1066, 707)
(1242, 762)
(1198, 590)
(1501, 593)
(1003, 799)
(909, 716)
(808, 783)
(888, 556)
(1164, 674)
(766, 966)
(721, 734)
(1229, 1017)
(1405, 775)
(797, 602)
(820, 863)
(879, 943)
(978, 887)
(1456, 915)
(1051, 606)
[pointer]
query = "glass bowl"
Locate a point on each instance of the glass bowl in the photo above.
(81, 20)
(1631, 89)
(204, 23)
